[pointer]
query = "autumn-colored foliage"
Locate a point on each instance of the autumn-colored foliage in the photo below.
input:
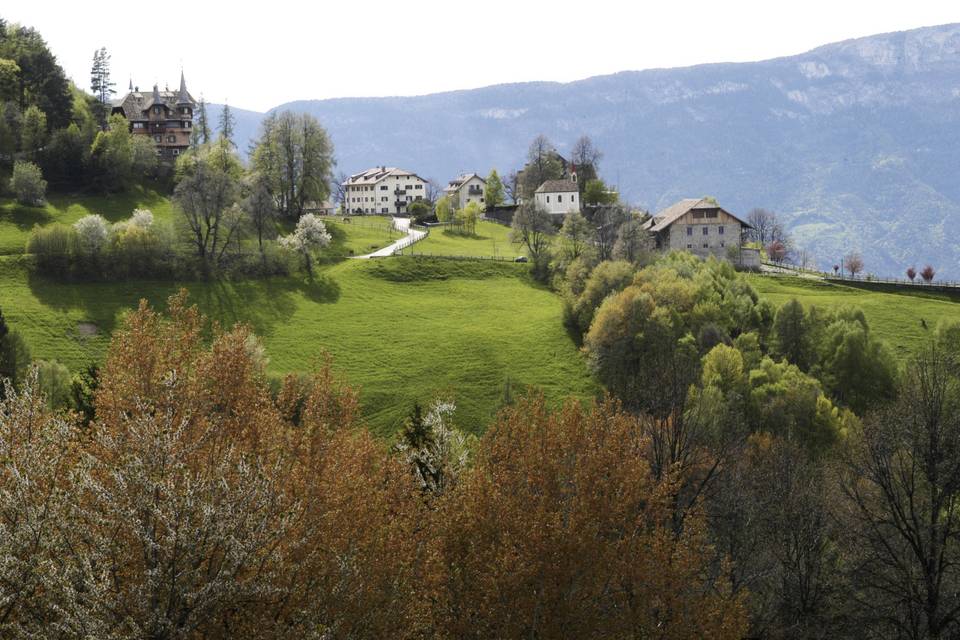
(562, 531)
(200, 504)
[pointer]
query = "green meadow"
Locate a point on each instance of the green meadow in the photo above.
(490, 240)
(898, 317)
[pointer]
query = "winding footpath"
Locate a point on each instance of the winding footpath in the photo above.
(400, 224)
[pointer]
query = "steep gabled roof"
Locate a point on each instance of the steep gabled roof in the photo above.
(558, 186)
(666, 217)
(458, 182)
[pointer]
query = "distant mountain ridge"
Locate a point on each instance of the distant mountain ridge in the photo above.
(856, 144)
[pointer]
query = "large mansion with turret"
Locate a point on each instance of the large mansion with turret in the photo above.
(166, 116)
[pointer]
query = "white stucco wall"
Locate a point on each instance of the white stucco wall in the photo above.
(559, 203)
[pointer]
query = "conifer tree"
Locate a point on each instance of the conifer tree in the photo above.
(203, 124)
(227, 123)
(100, 84)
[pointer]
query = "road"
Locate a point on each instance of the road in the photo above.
(400, 224)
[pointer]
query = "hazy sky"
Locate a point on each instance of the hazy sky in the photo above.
(259, 55)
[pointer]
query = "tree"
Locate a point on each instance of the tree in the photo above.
(854, 263)
(295, 155)
(227, 124)
(777, 251)
(93, 232)
(66, 157)
(340, 192)
(100, 84)
(33, 131)
(585, 157)
(606, 278)
(259, 206)
(606, 221)
(576, 233)
(911, 273)
(309, 236)
(468, 217)
(118, 157)
(208, 183)
(434, 450)
(596, 193)
(202, 130)
(763, 223)
(927, 274)
(533, 228)
(901, 483)
(633, 242)
(562, 530)
(41, 82)
(493, 191)
(542, 164)
(857, 369)
(793, 336)
(9, 79)
(14, 356)
(27, 184)
(444, 209)
(512, 187)
(420, 211)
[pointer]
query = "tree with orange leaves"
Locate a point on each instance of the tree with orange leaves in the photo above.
(561, 530)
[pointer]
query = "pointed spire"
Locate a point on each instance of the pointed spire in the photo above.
(156, 94)
(130, 88)
(183, 97)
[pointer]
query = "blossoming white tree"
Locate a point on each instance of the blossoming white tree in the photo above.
(92, 233)
(307, 238)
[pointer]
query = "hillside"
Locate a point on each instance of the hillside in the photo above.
(855, 143)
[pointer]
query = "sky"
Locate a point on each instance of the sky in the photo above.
(260, 55)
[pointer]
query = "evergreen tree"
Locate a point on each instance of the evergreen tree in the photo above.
(203, 124)
(101, 85)
(227, 122)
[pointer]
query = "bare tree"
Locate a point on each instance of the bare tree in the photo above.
(854, 263)
(901, 481)
(927, 274)
(533, 228)
(259, 207)
(542, 164)
(433, 191)
(512, 186)
(763, 222)
(340, 191)
(586, 158)
(911, 273)
(606, 220)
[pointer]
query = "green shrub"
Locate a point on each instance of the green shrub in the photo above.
(55, 381)
(28, 185)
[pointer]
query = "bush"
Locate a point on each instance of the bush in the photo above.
(55, 381)
(28, 185)
(92, 234)
(53, 247)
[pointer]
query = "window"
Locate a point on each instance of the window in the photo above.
(156, 109)
(419, 186)
(722, 245)
(383, 198)
(559, 198)
(138, 125)
(176, 152)
(383, 187)
(187, 124)
(706, 231)
(689, 231)
(548, 198)
(158, 138)
(720, 230)
(706, 246)
(385, 210)
(171, 138)
(689, 246)
(573, 198)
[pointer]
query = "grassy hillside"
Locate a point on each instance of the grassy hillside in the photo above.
(403, 329)
(16, 221)
(489, 240)
(895, 317)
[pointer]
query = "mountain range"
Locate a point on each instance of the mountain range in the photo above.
(855, 145)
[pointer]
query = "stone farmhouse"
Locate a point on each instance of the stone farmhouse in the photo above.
(704, 228)
(383, 190)
(166, 116)
(559, 197)
(464, 189)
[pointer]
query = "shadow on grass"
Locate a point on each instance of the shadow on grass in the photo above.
(24, 217)
(260, 303)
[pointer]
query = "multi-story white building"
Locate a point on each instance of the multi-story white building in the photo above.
(559, 197)
(383, 190)
(466, 188)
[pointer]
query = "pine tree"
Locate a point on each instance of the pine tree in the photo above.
(100, 84)
(227, 122)
(203, 125)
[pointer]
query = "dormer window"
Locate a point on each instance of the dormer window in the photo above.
(156, 109)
